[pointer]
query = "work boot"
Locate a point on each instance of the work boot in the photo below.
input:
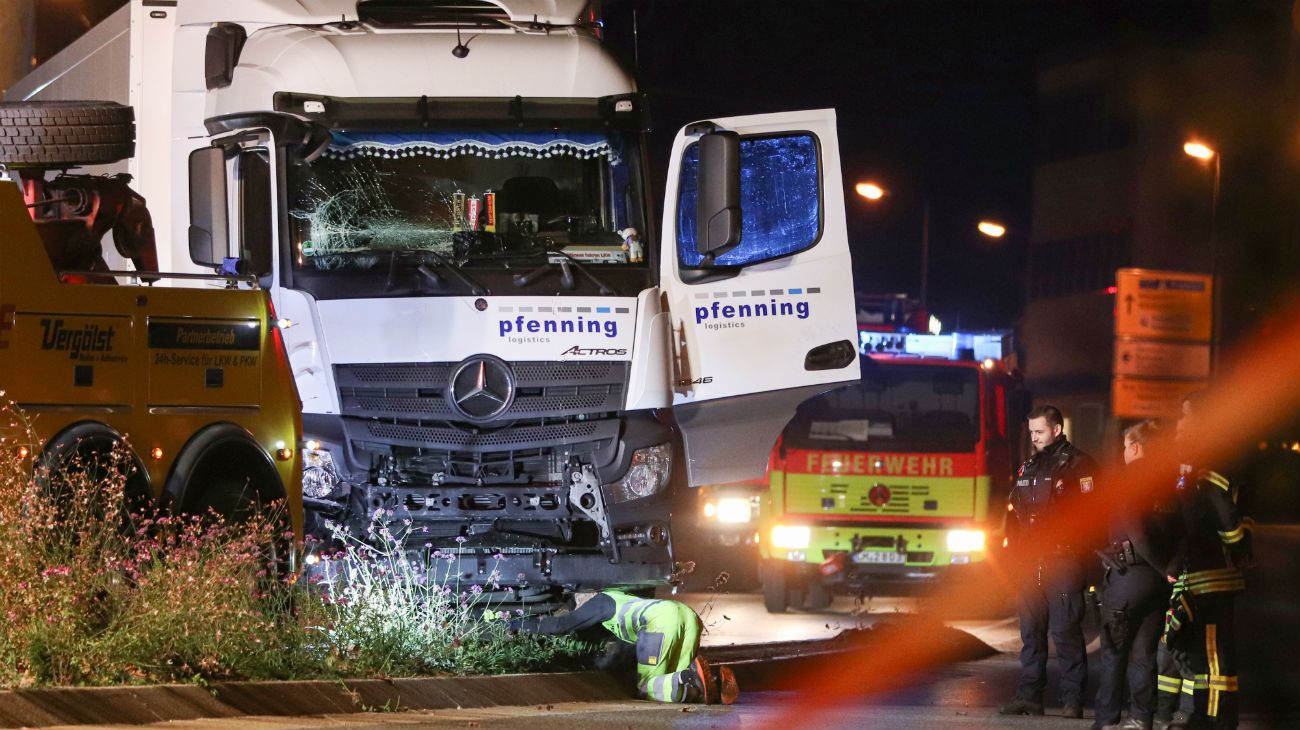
(1021, 706)
(1180, 721)
(1130, 724)
(706, 676)
(728, 689)
(1072, 709)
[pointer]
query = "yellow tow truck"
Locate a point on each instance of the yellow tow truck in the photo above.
(192, 381)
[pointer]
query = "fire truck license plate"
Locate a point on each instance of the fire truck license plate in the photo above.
(879, 556)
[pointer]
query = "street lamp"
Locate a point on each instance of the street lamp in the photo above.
(1199, 150)
(869, 190)
(992, 229)
(1206, 154)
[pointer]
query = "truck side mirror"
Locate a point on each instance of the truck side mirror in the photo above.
(209, 207)
(717, 207)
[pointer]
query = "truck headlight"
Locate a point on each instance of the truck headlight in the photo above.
(319, 478)
(734, 510)
(965, 541)
(791, 537)
(647, 475)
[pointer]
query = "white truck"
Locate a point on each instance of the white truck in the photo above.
(448, 202)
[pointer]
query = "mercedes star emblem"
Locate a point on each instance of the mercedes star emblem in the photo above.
(482, 387)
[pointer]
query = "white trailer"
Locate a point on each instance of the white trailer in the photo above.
(448, 202)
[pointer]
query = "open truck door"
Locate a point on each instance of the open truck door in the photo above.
(757, 276)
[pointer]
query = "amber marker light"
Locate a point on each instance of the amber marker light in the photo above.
(991, 229)
(870, 191)
(1199, 150)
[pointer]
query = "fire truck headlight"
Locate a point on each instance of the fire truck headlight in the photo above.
(734, 510)
(965, 541)
(710, 511)
(647, 475)
(320, 480)
(791, 537)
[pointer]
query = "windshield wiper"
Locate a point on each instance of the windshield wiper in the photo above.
(566, 275)
(447, 265)
(605, 289)
(429, 274)
(565, 264)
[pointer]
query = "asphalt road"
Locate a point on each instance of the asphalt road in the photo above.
(740, 618)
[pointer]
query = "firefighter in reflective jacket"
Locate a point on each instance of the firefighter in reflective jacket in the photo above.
(1051, 592)
(667, 639)
(1199, 633)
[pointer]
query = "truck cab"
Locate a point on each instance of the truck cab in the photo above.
(492, 338)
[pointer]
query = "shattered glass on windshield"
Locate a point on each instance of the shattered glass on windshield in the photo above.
(463, 196)
(351, 215)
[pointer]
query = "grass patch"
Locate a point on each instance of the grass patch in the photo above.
(93, 593)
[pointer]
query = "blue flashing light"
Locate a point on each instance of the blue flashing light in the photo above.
(948, 346)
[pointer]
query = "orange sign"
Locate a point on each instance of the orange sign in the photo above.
(1166, 305)
(1161, 359)
(1149, 397)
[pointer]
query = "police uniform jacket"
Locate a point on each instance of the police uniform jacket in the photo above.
(1060, 477)
(1146, 530)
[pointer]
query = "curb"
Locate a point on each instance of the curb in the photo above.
(160, 703)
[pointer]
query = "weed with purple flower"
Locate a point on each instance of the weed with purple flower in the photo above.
(95, 593)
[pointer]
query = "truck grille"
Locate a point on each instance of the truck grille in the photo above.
(479, 441)
(543, 390)
(397, 418)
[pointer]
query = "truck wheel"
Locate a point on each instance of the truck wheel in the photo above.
(780, 590)
(224, 473)
(236, 501)
(90, 453)
(819, 597)
(57, 134)
(774, 596)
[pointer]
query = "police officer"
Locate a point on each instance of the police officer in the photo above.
(667, 639)
(1215, 546)
(1136, 593)
(1051, 595)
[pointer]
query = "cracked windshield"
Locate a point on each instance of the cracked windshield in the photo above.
(476, 199)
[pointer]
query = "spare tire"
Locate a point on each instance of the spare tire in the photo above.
(56, 134)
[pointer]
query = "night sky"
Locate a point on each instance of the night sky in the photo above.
(935, 100)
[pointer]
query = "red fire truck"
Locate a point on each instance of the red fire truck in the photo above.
(901, 477)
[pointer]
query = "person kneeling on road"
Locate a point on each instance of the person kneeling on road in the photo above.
(667, 639)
